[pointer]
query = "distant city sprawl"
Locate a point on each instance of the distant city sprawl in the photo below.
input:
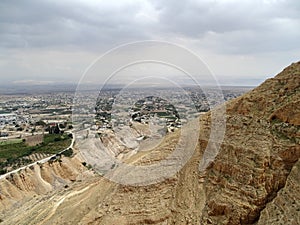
(36, 126)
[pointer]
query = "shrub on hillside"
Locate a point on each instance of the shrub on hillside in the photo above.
(68, 152)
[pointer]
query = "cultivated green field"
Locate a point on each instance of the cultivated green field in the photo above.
(11, 141)
(13, 151)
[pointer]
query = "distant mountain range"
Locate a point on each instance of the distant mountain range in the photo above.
(19, 89)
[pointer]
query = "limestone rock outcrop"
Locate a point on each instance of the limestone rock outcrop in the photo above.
(260, 147)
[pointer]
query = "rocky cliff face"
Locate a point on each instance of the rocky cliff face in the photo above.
(253, 180)
(260, 148)
(285, 207)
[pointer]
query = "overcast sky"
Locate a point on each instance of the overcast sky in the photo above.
(242, 42)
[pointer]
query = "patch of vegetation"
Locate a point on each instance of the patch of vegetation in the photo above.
(284, 131)
(88, 166)
(12, 141)
(12, 154)
(275, 120)
(2, 171)
(40, 123)
(68, 152)
(280, 135)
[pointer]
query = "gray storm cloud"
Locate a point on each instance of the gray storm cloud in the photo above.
(64, 36)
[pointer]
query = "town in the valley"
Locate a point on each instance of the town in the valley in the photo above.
(30, 123)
